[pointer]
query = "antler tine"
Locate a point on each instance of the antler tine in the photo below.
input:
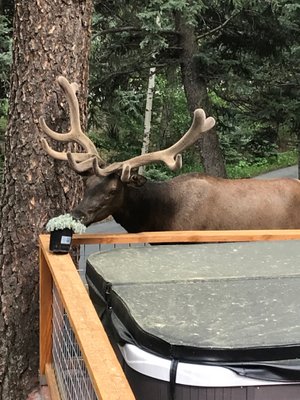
(80, 162)
(169, 156)
(199, 125)
(61, 155)
(76, 133)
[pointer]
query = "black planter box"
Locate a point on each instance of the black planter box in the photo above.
(60, 240)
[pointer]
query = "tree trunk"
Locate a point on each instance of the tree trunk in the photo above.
(297, 129)
(51, 38)
(148, 115)
(196, 93)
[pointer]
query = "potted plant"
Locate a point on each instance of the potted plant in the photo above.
(61, 229)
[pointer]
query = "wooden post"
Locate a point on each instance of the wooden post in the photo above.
(45, 315)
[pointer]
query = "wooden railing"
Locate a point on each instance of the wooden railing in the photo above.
(188, 236)
(106, 374)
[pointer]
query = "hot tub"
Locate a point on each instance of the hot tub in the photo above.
(208, 321)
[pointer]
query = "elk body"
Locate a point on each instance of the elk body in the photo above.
(188, 202)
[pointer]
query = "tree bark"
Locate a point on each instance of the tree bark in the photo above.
(51, 38)
(148, 115)
(195, 88)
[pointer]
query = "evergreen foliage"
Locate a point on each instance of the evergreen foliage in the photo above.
(247, 55)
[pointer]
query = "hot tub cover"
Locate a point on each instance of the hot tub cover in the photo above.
(230, 304)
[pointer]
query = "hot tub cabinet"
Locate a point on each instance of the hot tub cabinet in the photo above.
(217, 321)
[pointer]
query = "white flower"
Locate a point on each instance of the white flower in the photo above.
(65, 221)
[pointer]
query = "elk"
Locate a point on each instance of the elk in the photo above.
(187, 202)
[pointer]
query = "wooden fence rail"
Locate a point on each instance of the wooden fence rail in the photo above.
(188, 236)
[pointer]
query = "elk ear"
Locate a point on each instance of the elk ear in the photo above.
(137, 180)
(85, 176)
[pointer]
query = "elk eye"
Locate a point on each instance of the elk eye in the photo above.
(108, 196)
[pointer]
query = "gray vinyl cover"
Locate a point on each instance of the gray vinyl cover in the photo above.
(230, 304)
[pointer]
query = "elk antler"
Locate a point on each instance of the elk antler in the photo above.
(169, 156)
(81, 162)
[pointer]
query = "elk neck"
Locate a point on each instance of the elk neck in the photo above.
(147, 208)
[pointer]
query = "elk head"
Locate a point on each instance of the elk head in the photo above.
(105, 184)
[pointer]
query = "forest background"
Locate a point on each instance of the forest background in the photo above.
(244, 57)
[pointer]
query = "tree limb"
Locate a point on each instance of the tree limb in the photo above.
(132, 29)
(217, 28)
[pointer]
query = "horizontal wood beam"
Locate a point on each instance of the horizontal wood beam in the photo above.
(188, 236)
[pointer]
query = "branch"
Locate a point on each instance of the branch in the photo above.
(132, 29)
(129, 72)
(217, 28)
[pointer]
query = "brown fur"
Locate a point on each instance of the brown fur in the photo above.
(193, 202)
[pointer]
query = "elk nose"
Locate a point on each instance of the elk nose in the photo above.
(78, 214)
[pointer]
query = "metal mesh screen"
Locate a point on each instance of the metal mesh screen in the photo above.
(73, 379)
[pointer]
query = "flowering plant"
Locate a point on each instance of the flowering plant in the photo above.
(65, 221)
